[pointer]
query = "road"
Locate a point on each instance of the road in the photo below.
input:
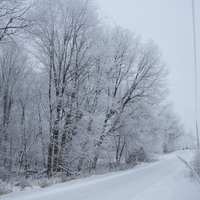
(164, 179)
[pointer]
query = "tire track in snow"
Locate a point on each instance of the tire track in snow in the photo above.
(159, 179)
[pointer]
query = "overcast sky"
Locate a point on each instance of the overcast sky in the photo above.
(169, 24)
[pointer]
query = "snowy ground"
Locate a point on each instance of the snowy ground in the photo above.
(165, 179)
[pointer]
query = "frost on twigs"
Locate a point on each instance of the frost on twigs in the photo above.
(196, 163)
(137, 155)
(43, 183)
(192, 169)
(5, 188)
(78, 97)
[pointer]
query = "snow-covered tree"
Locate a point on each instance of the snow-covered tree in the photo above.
(64, 36)
(12, 74)
(134, 73)
(92, 93)
(12, 17)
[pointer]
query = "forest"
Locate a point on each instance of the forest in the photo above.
(77, 94)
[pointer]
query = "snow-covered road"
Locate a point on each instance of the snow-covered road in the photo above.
(164, 179)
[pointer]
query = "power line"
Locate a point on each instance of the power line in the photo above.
(195, 65)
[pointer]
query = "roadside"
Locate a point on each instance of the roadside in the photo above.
(166, 179)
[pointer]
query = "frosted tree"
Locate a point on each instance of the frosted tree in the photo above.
(12, 17)
(134, 74)
(64, 37)
(12, 74)
(92, 91)
(19, 119)
(173, 130)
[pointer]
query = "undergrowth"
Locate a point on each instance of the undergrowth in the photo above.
(20, 183)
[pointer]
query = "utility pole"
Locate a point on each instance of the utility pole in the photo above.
(195, 65)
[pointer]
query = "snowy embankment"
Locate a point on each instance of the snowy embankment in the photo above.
(166, 179)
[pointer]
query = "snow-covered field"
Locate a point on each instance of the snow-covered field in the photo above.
(166, 179)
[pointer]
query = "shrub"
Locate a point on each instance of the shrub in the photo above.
(24, 183)
(5, 189)
(43, 183)
(64, 179)
(135, 156)
(196, 162)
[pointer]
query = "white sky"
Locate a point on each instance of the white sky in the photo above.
(169, 24)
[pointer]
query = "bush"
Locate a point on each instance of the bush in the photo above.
(196, 162)
(63, 179)
(5, 188)
(23, 183)
(135, 156)
(43, 183)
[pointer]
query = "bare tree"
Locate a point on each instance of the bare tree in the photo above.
(64, 37)
(135, 74)
(12, 72)
(12, 17)
(93, 91)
